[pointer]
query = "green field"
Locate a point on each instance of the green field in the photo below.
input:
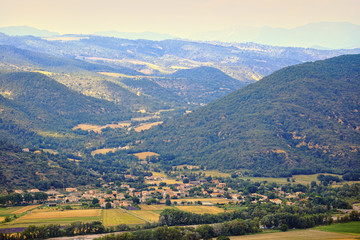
(9, 210)
(113, 217)
(350, 227)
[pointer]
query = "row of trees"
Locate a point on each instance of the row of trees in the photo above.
(48, 231)
(17, 198)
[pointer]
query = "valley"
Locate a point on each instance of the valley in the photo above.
(102, 134)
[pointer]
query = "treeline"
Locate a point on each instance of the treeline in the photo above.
(233, 228)
(17, 198)
(48, 231)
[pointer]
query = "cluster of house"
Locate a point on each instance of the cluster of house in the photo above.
(178, 190)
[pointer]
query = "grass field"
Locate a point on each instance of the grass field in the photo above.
(350, 227)
(25, 209)
(159, 174)
(148, 215)
(201, 209)
(296, 235)
(113, 217)
(9, 210)
(2, 219)
(147, 126)
(144, 155)
(216, 174)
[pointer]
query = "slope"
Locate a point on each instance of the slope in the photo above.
(26, 170)
(36, 100)
(303, 118)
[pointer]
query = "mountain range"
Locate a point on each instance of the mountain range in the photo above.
(301, 119)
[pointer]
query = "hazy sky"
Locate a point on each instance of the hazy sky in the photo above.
(177, 17)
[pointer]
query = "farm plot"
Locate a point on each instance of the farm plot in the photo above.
(146, 207)
(8, 210)
(296, 235)
(113, 217)
(201, 209)
(55, 217)
(150, 216)
(210, 200)
(25, 209)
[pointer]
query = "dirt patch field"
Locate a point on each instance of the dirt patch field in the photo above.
(97, 128)
(63, 214)
(147, 126)
(144, 155)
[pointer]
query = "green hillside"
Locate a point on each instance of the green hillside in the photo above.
(38, 170)
(301, 119)
(36, 100)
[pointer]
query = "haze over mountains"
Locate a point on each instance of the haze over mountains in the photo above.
(287, 121)
(319, 35)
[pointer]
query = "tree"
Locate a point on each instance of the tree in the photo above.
(168, 202)
(284, 227)
(108, 205)
(95, 201)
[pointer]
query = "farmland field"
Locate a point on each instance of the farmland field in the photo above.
(144, 155)
(201, 209)
(146, 207)
(25, 209)
(350, 227)
(2, 219)
(297, 235)
(54, 217)
(148, 215)
(97, 128)
(63, 214)
(113, 217)
(9, 210)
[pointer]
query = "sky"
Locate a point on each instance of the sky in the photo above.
(177, 17)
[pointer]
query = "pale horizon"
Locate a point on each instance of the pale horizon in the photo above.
(180, 19)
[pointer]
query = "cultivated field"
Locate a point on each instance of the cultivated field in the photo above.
(149, 216)
(201, 209)
(146, 207)
(144, 155)
(297, 235)
(147, 126)
(8, 210)
(113, 217)
(41, 217)
(25, 209)
(2, 219)
(63, 214)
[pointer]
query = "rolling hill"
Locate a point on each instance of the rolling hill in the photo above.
(301, 119)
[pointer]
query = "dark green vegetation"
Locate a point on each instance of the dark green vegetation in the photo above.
(36, 100)
(28, 170)
(301, 119)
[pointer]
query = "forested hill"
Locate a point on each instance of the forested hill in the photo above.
(24, 170)
(304, 118)
(33, 99)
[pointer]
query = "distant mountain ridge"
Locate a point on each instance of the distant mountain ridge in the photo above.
(321, 35)
(134, 36)
(301, 119)
(25, 31)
